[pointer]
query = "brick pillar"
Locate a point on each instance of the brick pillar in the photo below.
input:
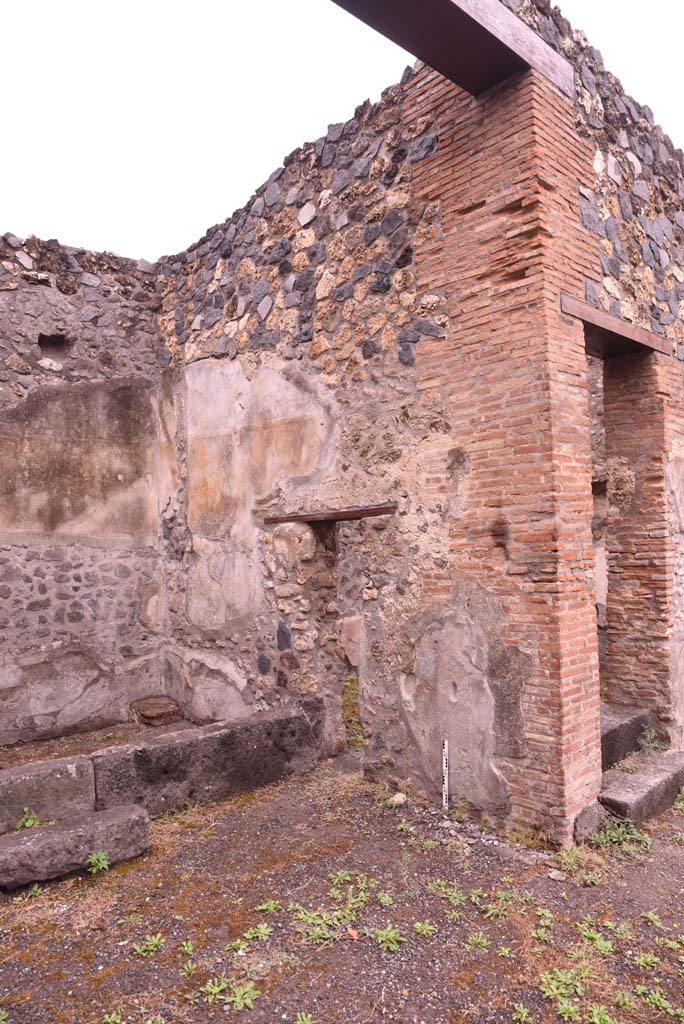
(506, 178)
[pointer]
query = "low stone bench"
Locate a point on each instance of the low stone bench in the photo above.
(52, 790)
(50, 851)
(210, 763)
(90, 797)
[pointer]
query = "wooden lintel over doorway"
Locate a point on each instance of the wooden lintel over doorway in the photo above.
(332, 515)
(475, 43)
(608, 336)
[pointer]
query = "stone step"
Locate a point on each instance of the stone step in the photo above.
(51, 790)
(621, 727)
(648, 791)
(51, 851)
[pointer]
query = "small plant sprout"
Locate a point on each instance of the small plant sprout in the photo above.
(622, 836)
(269, 906)
(505, 952)
(111, 1018)
(339, 877)
(151, 945)
(384, 899)
(624, 1000)
(215, 988)
(647, 961)
(260, 932)
(521, 1015)
(187, 948)
(389, 939)
(561, 983)
(567, 1010)
(96, 862)
(650, 742)
(27, 820)
(243, 996)
(650, 917)
(477, 940)
(237, 946)
(304, 1018)
(425, 929)
(451, 893)
(679, 802)
(600, 1015)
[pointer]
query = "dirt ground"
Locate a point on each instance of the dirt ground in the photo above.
(289, 898)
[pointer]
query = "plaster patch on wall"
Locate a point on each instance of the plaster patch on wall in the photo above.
(447, 696)
(207, 684)
(72, 691)
(248, 437)
(464, 685)
(80, 461)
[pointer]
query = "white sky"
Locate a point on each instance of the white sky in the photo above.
(134, 126)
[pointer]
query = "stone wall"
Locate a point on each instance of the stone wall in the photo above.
(80, 600)
(379, 324)
(290, 334)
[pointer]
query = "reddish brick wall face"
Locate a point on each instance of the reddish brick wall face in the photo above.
(507, 175)
(638, 661)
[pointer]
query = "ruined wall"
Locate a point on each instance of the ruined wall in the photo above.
(80, 599)
(290, 334)
(380, 323)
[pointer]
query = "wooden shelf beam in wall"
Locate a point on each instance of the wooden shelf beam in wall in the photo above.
(332, 515)
(475, 43)
(608, 336)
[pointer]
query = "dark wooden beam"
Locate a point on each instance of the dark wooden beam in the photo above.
(609, 335)
(332, 515)
(475, 43)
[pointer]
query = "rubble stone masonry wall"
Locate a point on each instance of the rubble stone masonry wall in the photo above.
(80, 600)
(380, 324)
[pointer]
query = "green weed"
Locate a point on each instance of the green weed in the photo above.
(96, 862)
(389, 939)
(424, 928)
(151, 945)
(27, 820)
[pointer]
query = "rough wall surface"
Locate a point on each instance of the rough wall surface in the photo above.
(634, 208)
(291, 332)
(79, 476)
(380, 324)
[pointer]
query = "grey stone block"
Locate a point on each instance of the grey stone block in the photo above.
(589, 821)
(649, 791)
(37, 854)
(52, 790)
(621, 727)
(211, 762)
